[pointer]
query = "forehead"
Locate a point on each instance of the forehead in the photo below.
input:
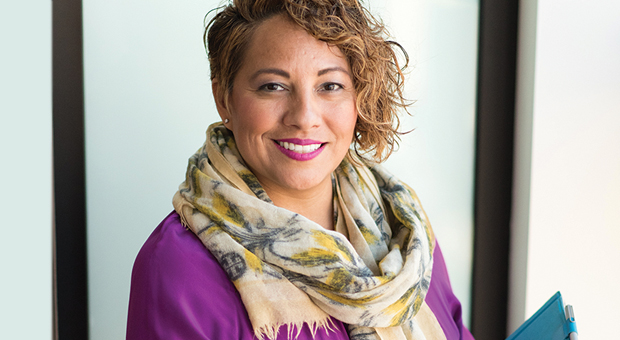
(280, 40)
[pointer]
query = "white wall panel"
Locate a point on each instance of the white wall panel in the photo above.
(147, 106)
(437, 158)
(26, 170)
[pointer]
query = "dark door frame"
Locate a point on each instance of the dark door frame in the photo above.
(494, 166)
(70, 263)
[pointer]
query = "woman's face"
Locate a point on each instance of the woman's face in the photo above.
(292, 108)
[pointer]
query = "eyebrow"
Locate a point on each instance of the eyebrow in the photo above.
(285, 74)
(333, 69)
(275, 71)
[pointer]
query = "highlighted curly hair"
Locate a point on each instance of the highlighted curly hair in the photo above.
(377, 77)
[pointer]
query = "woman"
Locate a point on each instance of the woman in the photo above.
(295, 230)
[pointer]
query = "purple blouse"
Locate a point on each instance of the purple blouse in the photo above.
(179, 291)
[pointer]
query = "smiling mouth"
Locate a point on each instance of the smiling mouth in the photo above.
(298, 148)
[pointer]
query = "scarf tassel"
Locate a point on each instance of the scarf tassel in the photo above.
(294, 328)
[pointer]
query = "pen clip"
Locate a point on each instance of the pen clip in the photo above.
(570, 315)
(570, 326)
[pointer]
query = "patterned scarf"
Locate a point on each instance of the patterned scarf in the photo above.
(372, 272)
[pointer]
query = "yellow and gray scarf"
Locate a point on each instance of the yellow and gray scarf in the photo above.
(372, 272)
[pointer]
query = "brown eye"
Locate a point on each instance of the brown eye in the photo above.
(271, 87)
(331, 87)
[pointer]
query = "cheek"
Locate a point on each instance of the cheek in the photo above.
(250, 117)
(347, 119)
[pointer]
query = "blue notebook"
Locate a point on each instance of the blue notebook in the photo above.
(552, 321)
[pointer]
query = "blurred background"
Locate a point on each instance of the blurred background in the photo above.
(515, 151)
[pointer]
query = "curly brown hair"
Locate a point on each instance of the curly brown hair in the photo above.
(346, 24)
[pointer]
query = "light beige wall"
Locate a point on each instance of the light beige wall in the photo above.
(573, 240)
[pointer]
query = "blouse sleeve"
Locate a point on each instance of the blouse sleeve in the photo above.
(179, 291)
(442, 301)
(176, 291)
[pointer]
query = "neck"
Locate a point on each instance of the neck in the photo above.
(315, 204)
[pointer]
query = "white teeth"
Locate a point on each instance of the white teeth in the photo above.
(299, 148)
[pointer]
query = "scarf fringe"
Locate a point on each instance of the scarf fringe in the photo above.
(270, 332)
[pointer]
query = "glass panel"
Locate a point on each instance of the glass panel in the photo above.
(437, 158)
(148, 103)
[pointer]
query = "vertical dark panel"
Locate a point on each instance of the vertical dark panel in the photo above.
(69, 179)
(494, 158)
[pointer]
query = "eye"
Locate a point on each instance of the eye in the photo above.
(271, 87)
(331, 87)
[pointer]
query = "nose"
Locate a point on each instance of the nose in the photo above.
(304, 112)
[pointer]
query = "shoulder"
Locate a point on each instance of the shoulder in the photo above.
(172, 252)
(179, 291)
(173, 255)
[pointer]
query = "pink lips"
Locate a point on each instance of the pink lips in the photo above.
(300, 156)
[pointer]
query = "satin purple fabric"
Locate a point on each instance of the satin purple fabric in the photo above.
(179, 291)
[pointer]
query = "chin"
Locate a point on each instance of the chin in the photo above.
(303, 184)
